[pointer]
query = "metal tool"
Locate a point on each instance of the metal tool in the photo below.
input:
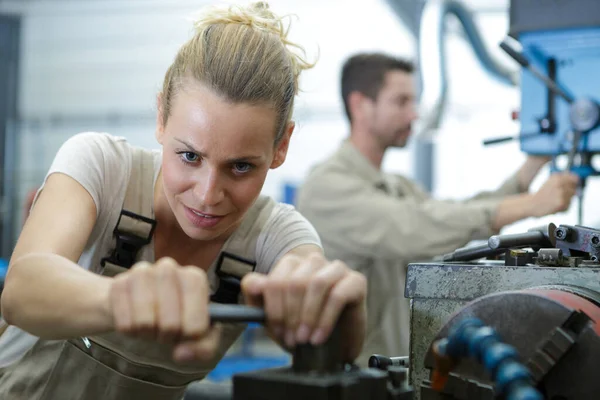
(498, 244)
(235, 313)
(317, 372)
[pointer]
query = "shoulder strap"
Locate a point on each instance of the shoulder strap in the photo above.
(135, 226)
(238, 255)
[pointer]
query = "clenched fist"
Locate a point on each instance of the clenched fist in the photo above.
(555, 194)
(168, 303)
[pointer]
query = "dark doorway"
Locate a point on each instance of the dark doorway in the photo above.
(9, 68)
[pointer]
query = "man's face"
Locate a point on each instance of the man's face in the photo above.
(394, 110)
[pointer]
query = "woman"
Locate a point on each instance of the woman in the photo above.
(114, 332)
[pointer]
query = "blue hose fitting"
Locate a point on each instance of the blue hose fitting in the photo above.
(471, 338)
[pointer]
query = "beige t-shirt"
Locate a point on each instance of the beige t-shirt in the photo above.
(101, 163)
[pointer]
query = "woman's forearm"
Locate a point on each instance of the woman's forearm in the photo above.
(52, 297)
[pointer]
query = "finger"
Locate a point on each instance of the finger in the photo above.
(253, 286)
(353, 321)
(194, 296)
(143, 301)
(203, 349)
(295, 296)
(168, 303)
(349, 291)
(120, 305)
(316, 295)
(274, 294)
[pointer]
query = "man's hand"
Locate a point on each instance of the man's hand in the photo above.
(530, 169)
(304, 296)
(555, 194)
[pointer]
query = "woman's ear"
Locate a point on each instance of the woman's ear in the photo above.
(282, 147)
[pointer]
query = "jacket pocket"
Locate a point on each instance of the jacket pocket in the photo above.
(78, 376)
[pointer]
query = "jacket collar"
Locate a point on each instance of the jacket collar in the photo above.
(357, 163)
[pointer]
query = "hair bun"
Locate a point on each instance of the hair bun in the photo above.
(257, 15)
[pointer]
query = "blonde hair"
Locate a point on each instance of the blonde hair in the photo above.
(243, 54)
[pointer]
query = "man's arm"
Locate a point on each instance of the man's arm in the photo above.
(370, 222)
(554, 196)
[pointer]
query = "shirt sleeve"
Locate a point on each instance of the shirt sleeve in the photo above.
(285, 230)
(362, 219)
(84, 157)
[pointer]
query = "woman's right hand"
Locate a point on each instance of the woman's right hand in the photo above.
(168, 303)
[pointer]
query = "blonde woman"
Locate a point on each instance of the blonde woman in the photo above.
(108, 287)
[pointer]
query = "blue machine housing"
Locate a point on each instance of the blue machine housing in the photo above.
(576, 54)
(562, 39)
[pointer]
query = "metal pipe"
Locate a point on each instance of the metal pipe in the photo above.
(433, 62)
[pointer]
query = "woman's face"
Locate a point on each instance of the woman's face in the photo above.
(216, 155)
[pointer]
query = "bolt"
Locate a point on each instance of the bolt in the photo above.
(562, 233)
(595, 241)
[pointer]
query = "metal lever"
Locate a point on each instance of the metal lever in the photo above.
(497, 244)
(235, 313)
(382, 362)
(526, 239)
(471, 253)
(325, 358)
(503, 139)
(524, 62)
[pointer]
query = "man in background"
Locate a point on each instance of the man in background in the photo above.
(377, 223)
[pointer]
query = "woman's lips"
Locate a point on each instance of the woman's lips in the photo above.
(202, 220)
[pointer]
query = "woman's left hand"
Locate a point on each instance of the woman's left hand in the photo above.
(304, 296)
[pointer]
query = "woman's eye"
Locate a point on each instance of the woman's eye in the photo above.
(242, 167)
(190, 157)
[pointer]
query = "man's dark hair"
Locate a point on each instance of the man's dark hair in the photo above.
(365, 72)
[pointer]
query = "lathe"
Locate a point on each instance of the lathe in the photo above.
(517, 318)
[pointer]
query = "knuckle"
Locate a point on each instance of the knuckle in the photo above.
(140, 267)
(166, 262)
(320, 283)
(290, 259)
(277, 283)
(196, 276)
(337, 298)
(360, 278)
(315, 257)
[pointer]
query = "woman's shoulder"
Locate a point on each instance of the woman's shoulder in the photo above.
(283, 219)
(100, 142)
(283, 229)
